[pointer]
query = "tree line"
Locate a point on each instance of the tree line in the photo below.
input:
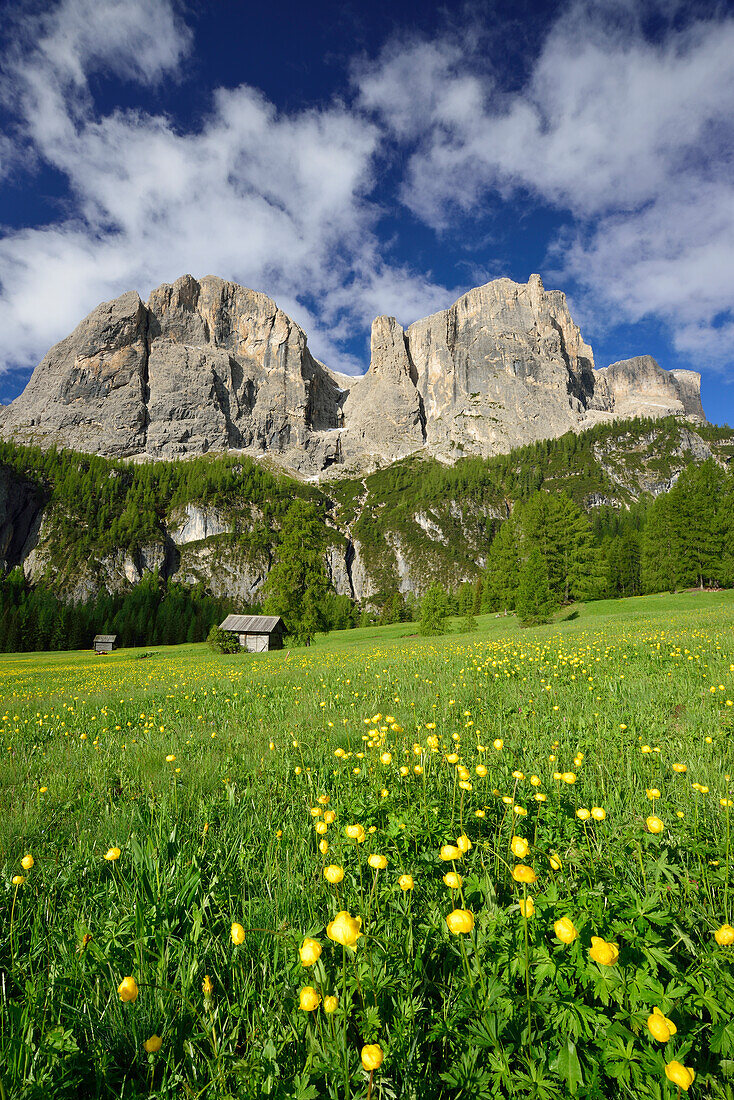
(548, 552)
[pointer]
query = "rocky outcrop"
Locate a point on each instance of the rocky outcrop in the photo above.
(639, 387)
(224, 568)
(89, 391)
(193, 524)
(505, 365)
(21, 513)
(383, 412)
(207, 365)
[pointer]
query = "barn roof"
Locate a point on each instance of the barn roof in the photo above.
(251, 624)
(105, 637)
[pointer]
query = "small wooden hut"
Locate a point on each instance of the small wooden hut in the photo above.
(258, 633)
(105, 643)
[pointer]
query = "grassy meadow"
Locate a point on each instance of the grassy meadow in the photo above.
(561, 794)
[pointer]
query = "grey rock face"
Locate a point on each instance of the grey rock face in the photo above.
(21, 512)
(208, 365)
(383, 412)
(639, 387)
(89, 391)
(193, 524)
(503, 366)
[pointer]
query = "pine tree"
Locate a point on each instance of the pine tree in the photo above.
(297, 585)
(534, 602)
(433, 611)
(469, 623)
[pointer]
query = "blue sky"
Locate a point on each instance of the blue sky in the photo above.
(351, 159)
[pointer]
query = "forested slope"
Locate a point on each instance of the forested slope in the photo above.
(158, 551)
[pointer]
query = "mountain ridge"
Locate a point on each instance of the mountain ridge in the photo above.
(207, 365)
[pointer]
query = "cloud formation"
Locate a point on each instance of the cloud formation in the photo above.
(278, 202)
(633, 138)
(629, 137)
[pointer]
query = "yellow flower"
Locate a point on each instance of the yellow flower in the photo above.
(569, 777)
(18, 880)
(112, 854)
(452, 880)
(606, 954)
(527, 907)
(463, 843)
(724, 936)
(153, 1044)
(652, 792)
(522, 873)
(207, 986)
(498, 743)
(237, 933)
(331, 1004)
(452, 758)
(565, 930)
(308, 999)
(660, 1027)
(378, 863)
(449, 852)
(535, 780)
(320, 828)
(27, 862)
(128, 989)
(372, 1057)
(598, 813)
(330, 817)
(481, 770)
(518, 775)
(309, 952)
(405, 882)
(583, 814)
(404, 771)
(333, 873)
(520, 847)
(654, 825)
(680, 1075)
(170, 758)
(555, 861)
(460, 920)
(680, 768)
(344, 929)
(323, 847)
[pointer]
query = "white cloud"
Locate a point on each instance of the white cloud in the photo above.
(278, 202)
(633, 138)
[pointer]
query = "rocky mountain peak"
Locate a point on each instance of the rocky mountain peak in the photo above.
(207, 364)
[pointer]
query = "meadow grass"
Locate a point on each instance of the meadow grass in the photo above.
(217, 777)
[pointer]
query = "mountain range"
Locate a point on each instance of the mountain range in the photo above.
(210, 366)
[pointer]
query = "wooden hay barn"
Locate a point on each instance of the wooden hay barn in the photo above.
(258, 633)
(105, 643)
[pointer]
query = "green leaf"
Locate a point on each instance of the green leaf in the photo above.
(567, 1066)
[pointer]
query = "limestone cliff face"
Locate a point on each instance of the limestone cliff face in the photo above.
(383, 412)
(503, 366)
(639, 387)
(207, 365)
(89, 391)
